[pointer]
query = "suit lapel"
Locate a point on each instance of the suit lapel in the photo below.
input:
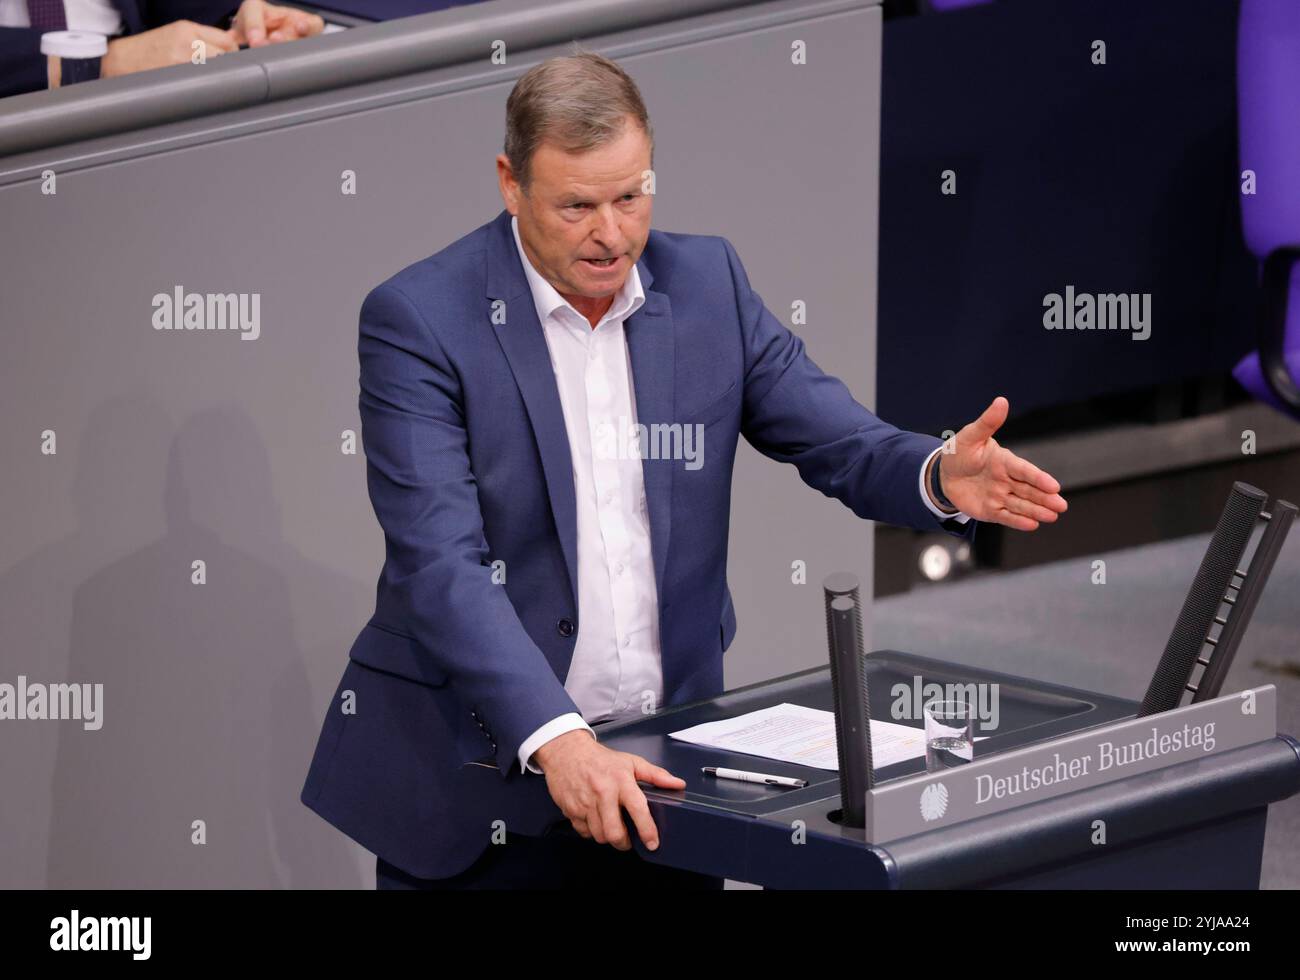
(131, 19)
(650, 345)
(649, 333)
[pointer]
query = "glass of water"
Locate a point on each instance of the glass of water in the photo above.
(949, 734)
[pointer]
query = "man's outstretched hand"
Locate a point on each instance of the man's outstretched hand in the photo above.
(991, 483)
(592, 784)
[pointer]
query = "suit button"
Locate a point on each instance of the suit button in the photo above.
(565, 626)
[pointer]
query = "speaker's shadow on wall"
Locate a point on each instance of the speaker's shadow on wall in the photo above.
(209, 721)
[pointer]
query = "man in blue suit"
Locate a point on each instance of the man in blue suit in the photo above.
(141, 34)
(550, 409)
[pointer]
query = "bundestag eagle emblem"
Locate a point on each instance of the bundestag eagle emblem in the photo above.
(934, 801)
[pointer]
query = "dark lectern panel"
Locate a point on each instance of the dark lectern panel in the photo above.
(1030, 711)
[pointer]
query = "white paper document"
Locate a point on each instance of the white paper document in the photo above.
(804, 736)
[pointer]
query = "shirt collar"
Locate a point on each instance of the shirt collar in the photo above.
(627, 300)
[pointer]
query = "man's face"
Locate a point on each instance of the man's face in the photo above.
(583, 206)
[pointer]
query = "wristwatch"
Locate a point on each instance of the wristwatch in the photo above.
(937, 490)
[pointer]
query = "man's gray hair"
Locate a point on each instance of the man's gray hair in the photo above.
(579, 101)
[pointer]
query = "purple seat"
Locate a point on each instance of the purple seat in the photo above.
(941, 5)
(1268, 104)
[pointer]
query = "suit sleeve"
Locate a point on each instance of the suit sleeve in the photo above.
(22, 66)
(425, 497)
(214, 13)
(795, 413)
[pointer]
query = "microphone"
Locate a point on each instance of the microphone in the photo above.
(851, 695)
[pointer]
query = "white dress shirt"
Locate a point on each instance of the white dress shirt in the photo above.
(95, 16)
(617, 669)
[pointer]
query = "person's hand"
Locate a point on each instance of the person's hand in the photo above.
(257, 23)
(991, 483)
(591, 784)
(171, 44)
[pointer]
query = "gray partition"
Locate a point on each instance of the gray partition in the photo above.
(174, 447)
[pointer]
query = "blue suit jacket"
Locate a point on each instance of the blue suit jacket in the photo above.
(22, 66)
(468, 463)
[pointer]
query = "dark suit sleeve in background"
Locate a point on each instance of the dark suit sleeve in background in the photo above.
(22, 66)
(214, 13)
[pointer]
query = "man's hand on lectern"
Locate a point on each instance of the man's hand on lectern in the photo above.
(591, 784)
(991, 483)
